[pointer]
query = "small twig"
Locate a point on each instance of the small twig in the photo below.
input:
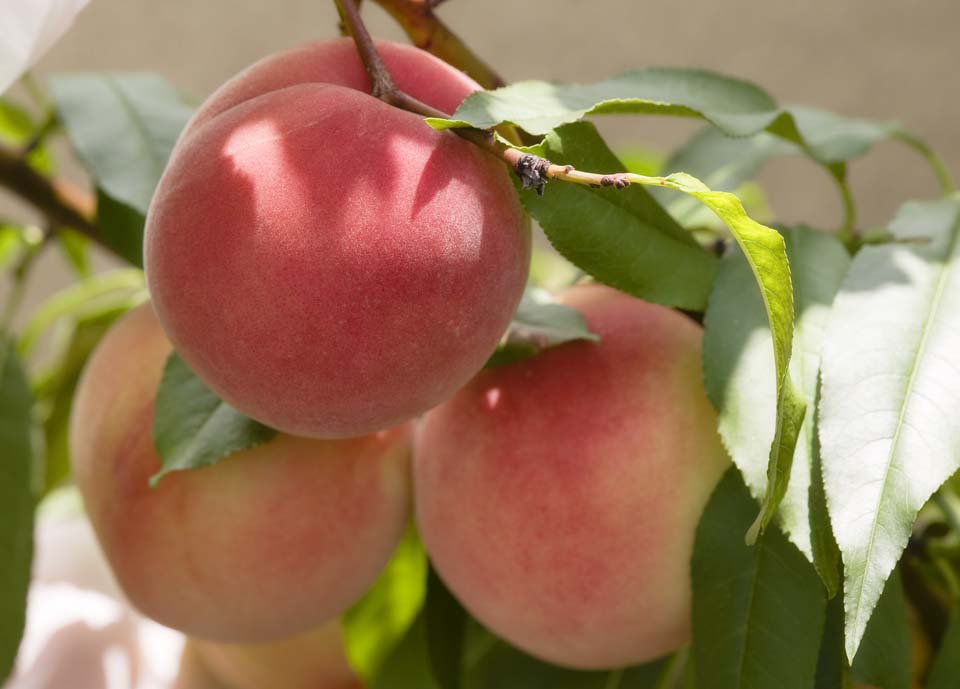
(533, 171)
(429, 33)
(58, 203)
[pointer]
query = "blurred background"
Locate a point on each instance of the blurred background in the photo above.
(872, 58)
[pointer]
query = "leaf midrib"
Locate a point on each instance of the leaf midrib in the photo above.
(921, 348)
(741, 665)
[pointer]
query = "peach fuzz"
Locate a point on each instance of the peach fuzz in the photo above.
(327, 263)
(268, 542)
(558, 496)
(312, 660)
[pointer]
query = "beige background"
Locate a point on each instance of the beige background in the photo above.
(877, 58)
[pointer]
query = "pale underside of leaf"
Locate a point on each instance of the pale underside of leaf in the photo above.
(738, 365)
(891, 388)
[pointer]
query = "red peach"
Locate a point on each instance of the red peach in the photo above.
(268, 542)
(558, 496)
(327, 263)
(312, 660)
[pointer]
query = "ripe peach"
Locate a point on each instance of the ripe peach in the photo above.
(266, 543)
(558, 496)
(312, 660)
(327, 263)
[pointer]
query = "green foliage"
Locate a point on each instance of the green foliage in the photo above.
(17, 498)
(765, 253)
(193, 427)
(621, 237)
(736, 107)
(123, 126)
(836, 379)
(446, 628)
(758, 612)
(539, 322)
(946, 665)
(891, 386)
(385, 632)
(738, 364)
(883, 659)
(495, 664)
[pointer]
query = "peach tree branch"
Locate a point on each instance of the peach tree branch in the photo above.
(428, 32)
(533, 171)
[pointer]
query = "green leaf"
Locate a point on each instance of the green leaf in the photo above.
(885, 652)
(621, 237)
(16, 496)
(736, 107)
(723, 163)
(539, 322)
(890, 391)
(758, 612)
(88, 298)
(739, 364)
(192, 427)
(946, 664)
(446, 624)
(380, 623)
(765, 252)
(121, 228)
(832, 668)
(56, 386)
(123, 125)
(498, 665)
(408, 665)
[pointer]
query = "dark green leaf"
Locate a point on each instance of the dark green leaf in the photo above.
(380, 624)
(192, 427)
(123, 125)
(121, 228)
(408, 665)
(891, 388)
(758, 612)
(498, 665)
(884, 656)
(621, 237)
(540, 322)
(446, 623)
(739, 364)
(17, 499)
(832, 668)
(946, 666)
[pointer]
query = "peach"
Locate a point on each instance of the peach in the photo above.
(558, 496)
(312, 660)
(266, 543)
(327, 263)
